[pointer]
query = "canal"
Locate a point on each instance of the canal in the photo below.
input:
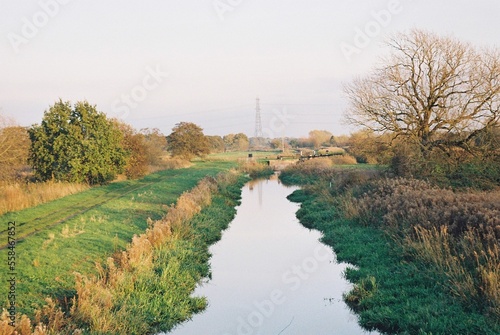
(271, 276)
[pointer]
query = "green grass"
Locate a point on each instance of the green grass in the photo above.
(393, 292)
(71, 234)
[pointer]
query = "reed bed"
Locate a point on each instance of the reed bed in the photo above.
(451, 236)
(457, 232)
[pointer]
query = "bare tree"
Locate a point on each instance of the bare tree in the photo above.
(433, 91)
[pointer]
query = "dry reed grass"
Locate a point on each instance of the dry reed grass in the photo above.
(172, 163)
(457, 232)
(343, 160)
(17, 196)
(49, 320)
(254, 168)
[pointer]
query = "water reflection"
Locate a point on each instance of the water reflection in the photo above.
(270, 275)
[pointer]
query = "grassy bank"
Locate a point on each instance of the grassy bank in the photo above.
(90, 226)
(147, 288)
(399, 288)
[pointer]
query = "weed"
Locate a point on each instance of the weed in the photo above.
(364, 289)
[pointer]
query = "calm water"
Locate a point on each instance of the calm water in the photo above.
(271, 276)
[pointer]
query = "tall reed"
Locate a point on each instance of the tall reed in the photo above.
(457, 232)
(17, 196)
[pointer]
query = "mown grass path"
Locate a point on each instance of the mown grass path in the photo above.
(70, 234)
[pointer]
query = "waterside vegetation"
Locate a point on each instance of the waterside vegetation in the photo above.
(426, 258)
(125, 254)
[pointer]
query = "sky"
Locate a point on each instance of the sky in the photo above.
(156, 63)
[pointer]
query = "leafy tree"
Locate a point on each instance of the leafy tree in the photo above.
(301, 143)
(241, 142)
(156, 145)
(187, 141)
(137, 151)
(339, 141)
(77, 144)
(228, 141)
(276, 143)
(216, 144)
(236, 142)
(14, 147)
(320, 137)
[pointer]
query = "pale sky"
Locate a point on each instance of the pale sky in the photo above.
(157, 63)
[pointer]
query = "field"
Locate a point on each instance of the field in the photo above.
(71, 234)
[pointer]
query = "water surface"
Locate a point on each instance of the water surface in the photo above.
(270, 275)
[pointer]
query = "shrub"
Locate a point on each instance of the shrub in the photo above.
(366, 288)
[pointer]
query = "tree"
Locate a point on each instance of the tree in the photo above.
(320, 137)
(134, 144)
(216, 144)
(228, 141)
(156, 145)
(76, 144)
(368, 147)
(276, 143)
(435, 92)
(241, 142)
(301, 143)
(236, 142)
(14, 147)
(187, 141)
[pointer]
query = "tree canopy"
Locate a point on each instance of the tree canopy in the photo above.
(188, 141)
(14, 146)
(320, 137)
(236, 142)
(76, 144)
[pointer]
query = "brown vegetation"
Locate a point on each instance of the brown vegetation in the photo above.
(457, 232)
(17, 196)
(14, 148)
